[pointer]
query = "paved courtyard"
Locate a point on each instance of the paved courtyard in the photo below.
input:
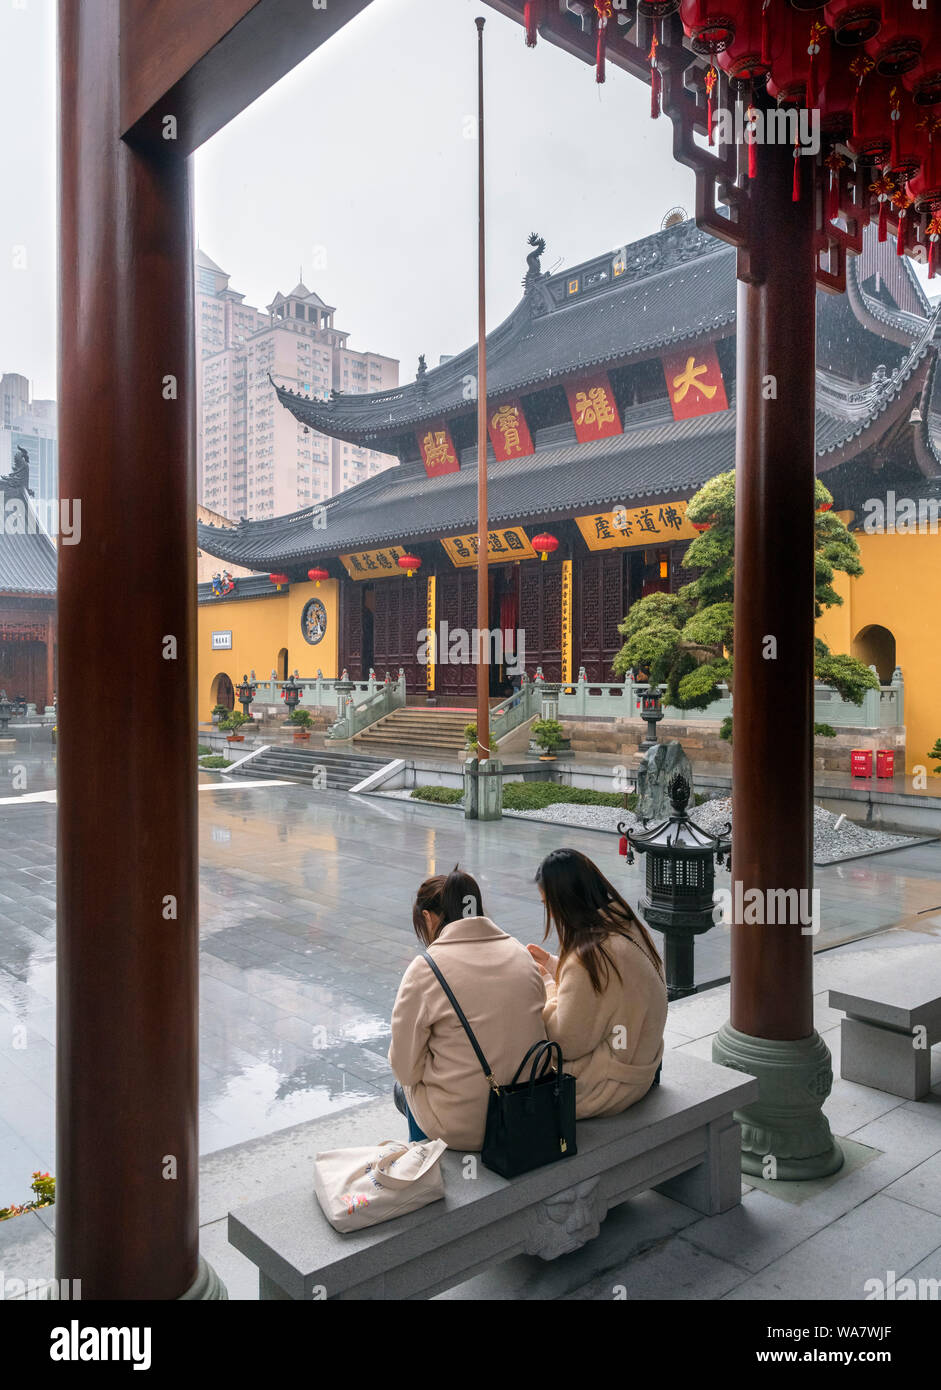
(305, 932)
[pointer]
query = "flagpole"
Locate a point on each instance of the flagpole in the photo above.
(483, 598)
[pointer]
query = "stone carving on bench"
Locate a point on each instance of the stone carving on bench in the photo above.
(566, 1221)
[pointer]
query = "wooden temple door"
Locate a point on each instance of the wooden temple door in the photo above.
(540, 616)
(401, 612)
(456, 598)
(601, 601)
(350, 646)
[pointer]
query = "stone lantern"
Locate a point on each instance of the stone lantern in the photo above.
(680, 882)
(651, 709)
(6, 711)
(291, 694)
(246, 692)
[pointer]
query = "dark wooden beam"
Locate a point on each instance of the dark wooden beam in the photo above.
(204, 63)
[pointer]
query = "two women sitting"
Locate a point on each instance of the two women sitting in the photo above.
(602, 998)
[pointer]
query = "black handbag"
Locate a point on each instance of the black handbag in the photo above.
(529, 1122)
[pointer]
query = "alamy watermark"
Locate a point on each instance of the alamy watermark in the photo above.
(768, 907)
(903, 516)
(56, 516)
(456, 646)
(780, 125)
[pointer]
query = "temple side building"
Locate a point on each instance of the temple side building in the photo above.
(611, 400)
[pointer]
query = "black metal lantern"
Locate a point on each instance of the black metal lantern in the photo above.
(651, 709)
(246, 692)
(291, 694)
(681, 859)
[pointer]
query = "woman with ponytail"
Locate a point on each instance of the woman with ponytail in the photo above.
(440, 1085)
(606, 997)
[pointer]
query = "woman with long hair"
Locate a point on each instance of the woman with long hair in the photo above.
(606, 997)
(441, 1086)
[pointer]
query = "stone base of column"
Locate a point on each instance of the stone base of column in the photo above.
(785, 1134)
(206, 1287)
(490, 789)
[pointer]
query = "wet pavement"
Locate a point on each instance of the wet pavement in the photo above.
(305, 901)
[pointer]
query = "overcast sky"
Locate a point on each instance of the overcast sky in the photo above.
(358, 168)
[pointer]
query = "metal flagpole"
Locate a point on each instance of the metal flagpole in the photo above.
(483, 603)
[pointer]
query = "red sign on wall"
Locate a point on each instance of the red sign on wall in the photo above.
(594, 411)
(509, 432)
(694, 382)
(438, 453)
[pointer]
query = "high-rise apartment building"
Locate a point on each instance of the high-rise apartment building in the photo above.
(255, 460)
(32, 424)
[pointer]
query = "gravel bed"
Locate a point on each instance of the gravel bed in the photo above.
(829, 843)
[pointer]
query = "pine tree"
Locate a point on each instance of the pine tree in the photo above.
(935, 753)
(685, 640)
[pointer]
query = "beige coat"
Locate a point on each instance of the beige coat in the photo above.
(612, 1042)
(498, 985)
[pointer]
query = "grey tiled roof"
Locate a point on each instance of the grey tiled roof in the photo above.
(27, 563)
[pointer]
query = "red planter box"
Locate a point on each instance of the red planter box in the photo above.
(861, 762)
(885, 762)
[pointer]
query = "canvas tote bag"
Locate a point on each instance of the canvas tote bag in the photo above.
(362, 1187)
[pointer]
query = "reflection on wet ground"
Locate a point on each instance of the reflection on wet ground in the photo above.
(305, 902)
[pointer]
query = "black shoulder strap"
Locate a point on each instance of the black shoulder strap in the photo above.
(464, 1024)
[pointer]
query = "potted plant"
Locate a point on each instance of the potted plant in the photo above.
(470, 739)
(302, 721)
(219, 713)
(547, 734)
(233, 722)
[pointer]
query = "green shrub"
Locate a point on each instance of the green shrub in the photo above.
(824, 731)
(547, 734)
(214, 760)
(533, 796)
(203, 751)
(44, 1186)
(470, 738)
(444, 796)
(301, 718)
(234, 721)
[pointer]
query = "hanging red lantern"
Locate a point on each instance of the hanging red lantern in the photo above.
(544, 544)
(824, 506)
(410, 563)
(279, 579)
(800, 59)
(746, 58)
(657, 9)
(924, 80)
(604, 10)
(852, 23)
(906, 148)
(871, 139)
(896, 48)
(317, 575)
(837, 95)
(709, 25)
(925, 185)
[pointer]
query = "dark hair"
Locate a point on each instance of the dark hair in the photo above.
(447, 896)
(585, 908)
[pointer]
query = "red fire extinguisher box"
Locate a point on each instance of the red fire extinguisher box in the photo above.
(861, 762)
(885, 762)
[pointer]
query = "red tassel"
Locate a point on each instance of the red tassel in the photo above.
(896, 122)
(900, 238)
(765, 32)
(622, 847)
(884, 219)
(531, 20)
(833, 196)
(600, 52)
(932, 249)
(796, 194)
(711, 78)
(751, 143)
(654, 79)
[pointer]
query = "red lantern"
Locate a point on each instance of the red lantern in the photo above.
(925, 185)
(544, 544)
(851, 22)
(657, 9)
(824, 506)
(709, 25)
(701, 525)
(800, 58)
(837, 96)
(411, 563)
(747, 57)
(906, 152)
(896, 49)
(279, 579)
(317, 575)
(871, 139)
(924, 80)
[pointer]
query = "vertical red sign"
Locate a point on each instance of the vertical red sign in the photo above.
(694, 382)
(438, 453)
(594, 410)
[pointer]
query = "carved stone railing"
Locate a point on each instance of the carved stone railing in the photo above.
(320, 691)
(515, 710)
(388, 696)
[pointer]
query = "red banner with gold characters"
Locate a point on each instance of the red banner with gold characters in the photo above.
(694, 382)
(509, 432)
(594, 411)
(438, 453)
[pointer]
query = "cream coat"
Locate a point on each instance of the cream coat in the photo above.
(498, 985)
(612, 1042)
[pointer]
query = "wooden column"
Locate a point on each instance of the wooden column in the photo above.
(126, 1168)
(772, 798)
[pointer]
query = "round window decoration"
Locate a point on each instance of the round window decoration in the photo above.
(314, 621)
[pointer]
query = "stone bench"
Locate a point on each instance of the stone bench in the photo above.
(681, 1139)
(893, 1018)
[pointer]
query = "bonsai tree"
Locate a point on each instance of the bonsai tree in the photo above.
(301, 718)
(470, 738)
(935, 754)
(219, 713)
(547, 734)
(685, 640)
(234, 720)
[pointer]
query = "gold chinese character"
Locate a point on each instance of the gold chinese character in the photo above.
(506, 421)
(437, 449)
(593, 407)
(688, 379)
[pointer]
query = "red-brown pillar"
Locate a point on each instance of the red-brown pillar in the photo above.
(771, 1029)
(126, 1168)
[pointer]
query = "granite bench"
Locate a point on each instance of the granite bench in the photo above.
(681, 1139)
(893, 1018)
